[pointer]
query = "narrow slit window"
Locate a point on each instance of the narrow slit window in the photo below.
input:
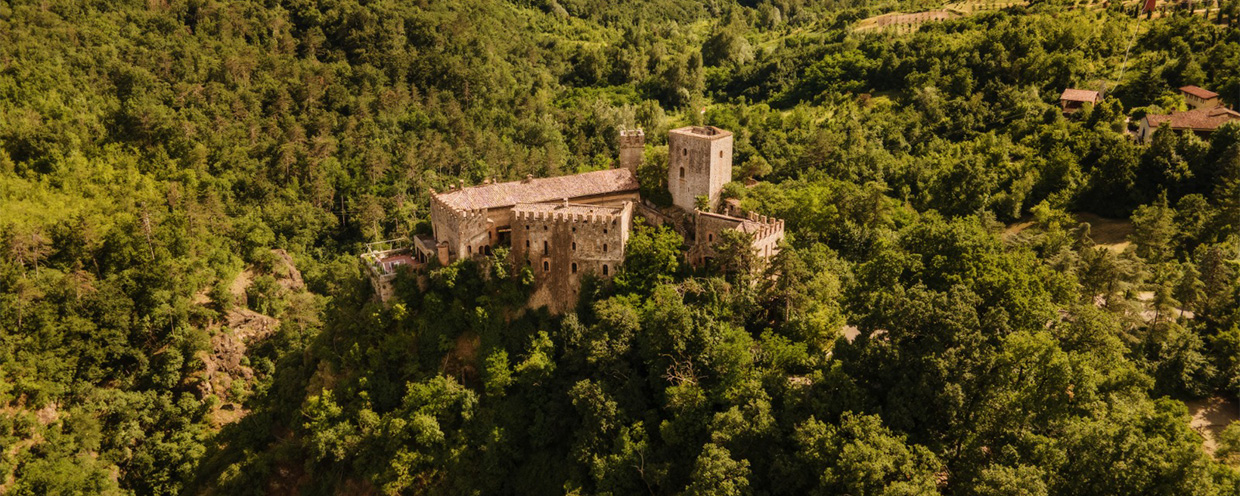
(574, 267)
(682, 172)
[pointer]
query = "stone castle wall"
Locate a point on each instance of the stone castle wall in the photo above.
(466, 232)
(561, 245)
(767, 233)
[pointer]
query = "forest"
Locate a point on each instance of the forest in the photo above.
(186, 185)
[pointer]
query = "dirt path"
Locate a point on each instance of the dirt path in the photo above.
(1210, 417)
(1109, 233)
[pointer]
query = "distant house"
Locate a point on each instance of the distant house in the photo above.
(1199, 97)
(1072, 99)
(1201, 121)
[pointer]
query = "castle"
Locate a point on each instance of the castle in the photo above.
(563, 228)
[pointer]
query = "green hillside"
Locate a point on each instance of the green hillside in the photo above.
(185, 187)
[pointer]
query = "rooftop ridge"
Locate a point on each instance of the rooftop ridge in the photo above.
(530, 190)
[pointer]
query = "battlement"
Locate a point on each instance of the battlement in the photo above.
(707, 132)
(454, 214)
(767, 226)
(632, 137)
(571, 212)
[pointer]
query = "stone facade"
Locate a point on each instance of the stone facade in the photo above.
(767, 233)
(632, 149)
(564, 228)
(1198, 98)
(462, 232)
(471, 221)
(699, 164)
(562, 242)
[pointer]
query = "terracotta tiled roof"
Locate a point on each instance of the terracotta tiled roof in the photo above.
(1201, 93)
(1075, 95)
(1203, 119)
(500, 195)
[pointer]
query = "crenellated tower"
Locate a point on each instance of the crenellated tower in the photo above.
(699, 164)
(632, 148)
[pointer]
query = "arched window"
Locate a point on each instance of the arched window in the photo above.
(470, 248)
(604, 269)
(682, 172)
(604, 247)
(684, 151)
(574, 267)
(546, 266)
(574, 246)
(720, 153)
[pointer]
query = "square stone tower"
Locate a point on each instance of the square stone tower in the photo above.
(699, 164)
(632, 148)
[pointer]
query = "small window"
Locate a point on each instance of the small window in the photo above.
(682, 172)
(604, 269)
(720, 153)
(544, 247)
(544, 228)
(527, 243)
(574, 267)
(710, 238)
(527, 227)
(684, 151)
(604, 230)
(546, 266)
(574, 228)
(471, 249)
(574, 246)
(604, 247)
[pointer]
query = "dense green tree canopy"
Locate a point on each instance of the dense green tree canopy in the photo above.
(977, 295)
